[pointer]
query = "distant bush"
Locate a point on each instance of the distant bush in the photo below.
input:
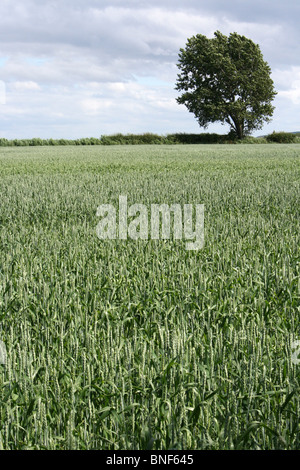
(282, 137)
(88, 141)
(132, 139)
(64, 142)
(36, 141)
(52, 142)
(204, 138)
(94, 141)
(252, 140)
(110, 139)
(18, 143)
(4, 142)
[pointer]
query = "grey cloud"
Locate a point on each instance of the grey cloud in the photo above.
(133, 30)
(102, 42)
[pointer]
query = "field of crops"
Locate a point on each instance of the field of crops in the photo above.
(140, 344)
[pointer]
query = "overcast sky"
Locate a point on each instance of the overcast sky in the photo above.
(83, 68)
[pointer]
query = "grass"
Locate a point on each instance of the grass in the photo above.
(118, 344)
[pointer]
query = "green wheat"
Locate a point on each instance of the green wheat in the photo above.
(116, 344)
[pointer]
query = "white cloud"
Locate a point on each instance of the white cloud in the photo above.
(288, 84)
(24, 86)
(94, 106)
(293, 94)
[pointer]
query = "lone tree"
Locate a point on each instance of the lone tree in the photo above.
(225, 79)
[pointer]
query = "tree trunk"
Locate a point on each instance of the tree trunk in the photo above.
(238, 127)
(239, 131)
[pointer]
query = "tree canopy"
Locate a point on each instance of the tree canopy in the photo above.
(225, 79)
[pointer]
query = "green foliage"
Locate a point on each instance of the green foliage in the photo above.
(282, 137)
(129, 345)
(4, 142)
(225, 79)
(37, 141)
(252, 140)
(132, 139)
(138, 139)
(204, 138)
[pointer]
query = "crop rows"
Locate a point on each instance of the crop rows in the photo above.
(124, 344)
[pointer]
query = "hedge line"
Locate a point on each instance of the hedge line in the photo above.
(149, 139)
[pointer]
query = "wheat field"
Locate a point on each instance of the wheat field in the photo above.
(141, 344)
